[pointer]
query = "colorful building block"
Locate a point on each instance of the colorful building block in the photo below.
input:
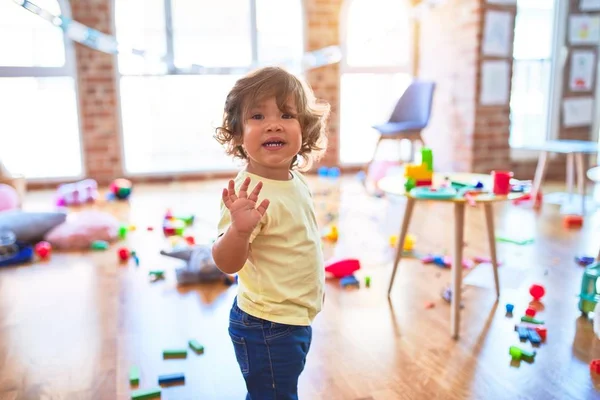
(134, 375)
(171, 378)
(175, 353)
(533, 336)
(196, 346)
(532, 320)
(145, 394)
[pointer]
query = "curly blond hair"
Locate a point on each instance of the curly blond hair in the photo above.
(275, 82)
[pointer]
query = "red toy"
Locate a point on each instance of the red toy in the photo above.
(124, 254)
(530, 312)
(537, 291)
(341, 268)
(542, 331)
(502, 182)
(43, 250)
(595, 366)
(573, 221)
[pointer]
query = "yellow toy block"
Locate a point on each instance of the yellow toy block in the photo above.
(418, 172)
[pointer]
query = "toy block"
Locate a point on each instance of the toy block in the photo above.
(595, 366)
(427, 158)
(171, 378)
(423, 182)
(520, 354)
(573, 221)
(134, 375)
(510, 308)
(175, 353)
(533, 336)
(196, 346)
(542, 331)
(145, 394)
(349, 280)
(532, 320)
(367, 281)
(523, 333)
(530, 312)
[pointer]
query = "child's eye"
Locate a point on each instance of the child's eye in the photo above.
(287, 116)
(257, 116)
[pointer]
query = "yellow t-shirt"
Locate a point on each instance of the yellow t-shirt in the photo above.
(283, 279)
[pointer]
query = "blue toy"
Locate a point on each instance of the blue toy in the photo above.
(333, 172)
(590, 292)
(349, 280)
(509, 308)
(13, 252)
(171, 378)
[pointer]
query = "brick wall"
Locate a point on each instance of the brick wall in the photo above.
(97, 95)
(322, 30)
(448, 53)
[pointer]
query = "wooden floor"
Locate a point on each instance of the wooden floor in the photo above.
(71, 328)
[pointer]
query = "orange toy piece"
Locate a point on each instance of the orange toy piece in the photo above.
(573, 221)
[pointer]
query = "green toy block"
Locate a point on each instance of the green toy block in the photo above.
(175, 353)
(156, 272)
(532, 320)
(100, 245)
(519, 354)
(410, 184)
(196, 346)
(427, 158)
(134, 375)
(123, 231)
(367, 281)
(145, 394)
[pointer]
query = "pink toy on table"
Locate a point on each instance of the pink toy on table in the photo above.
(72, 194)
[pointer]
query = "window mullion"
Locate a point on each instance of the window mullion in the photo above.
(170, 55)
(254, 32)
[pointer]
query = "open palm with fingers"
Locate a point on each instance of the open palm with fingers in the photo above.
(245, 216)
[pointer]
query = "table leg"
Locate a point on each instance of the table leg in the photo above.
(540, 171)
(459, 225)
(581, 179)
(489, 218)
(570, 173)
(410, 205)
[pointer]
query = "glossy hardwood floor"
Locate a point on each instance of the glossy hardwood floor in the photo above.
(71, 328)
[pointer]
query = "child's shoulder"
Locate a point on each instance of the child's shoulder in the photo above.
(300, 177)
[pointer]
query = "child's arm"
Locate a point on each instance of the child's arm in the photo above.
(230, 251)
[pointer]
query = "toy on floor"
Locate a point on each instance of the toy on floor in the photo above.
(343, 267)
(80, 230)
(537, 291)
(349, 281)
(9, 198)
(584, 261)
(595, 366)
(175, 225)
(121, 188)
(519, 354)
(590, 290)
(13, 252)
(331, 234)
(43, 250)
(200, 266)
(573, 221)
(30, 227)
(409, 242)
(77, 193)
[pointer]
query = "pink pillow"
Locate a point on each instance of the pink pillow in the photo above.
(81, 229)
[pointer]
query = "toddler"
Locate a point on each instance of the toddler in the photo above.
(268, 234)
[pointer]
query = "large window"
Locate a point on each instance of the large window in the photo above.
(530, 100)
(39, 123)
(172, 99)
(375, 71)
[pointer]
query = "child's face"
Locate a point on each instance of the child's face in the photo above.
(271, 138)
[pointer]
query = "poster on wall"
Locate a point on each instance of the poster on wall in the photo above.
(584, 29)
(578, 111)
(497, 35)
(589, 5)
(582, 71)
(495, 76)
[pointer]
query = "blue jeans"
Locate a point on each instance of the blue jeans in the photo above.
(271, 356)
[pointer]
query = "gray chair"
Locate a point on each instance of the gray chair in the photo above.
(411, 115)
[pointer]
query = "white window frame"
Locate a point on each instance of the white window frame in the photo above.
(173, 70)
(348, 69)
(558, 61)
(69, 69)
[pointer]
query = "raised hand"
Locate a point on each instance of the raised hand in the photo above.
(245, 216)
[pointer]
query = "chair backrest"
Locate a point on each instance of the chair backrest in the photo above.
(415, 103)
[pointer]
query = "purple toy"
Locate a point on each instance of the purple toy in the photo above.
(72, 194)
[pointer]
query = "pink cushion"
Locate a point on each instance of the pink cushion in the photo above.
(81, 229)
